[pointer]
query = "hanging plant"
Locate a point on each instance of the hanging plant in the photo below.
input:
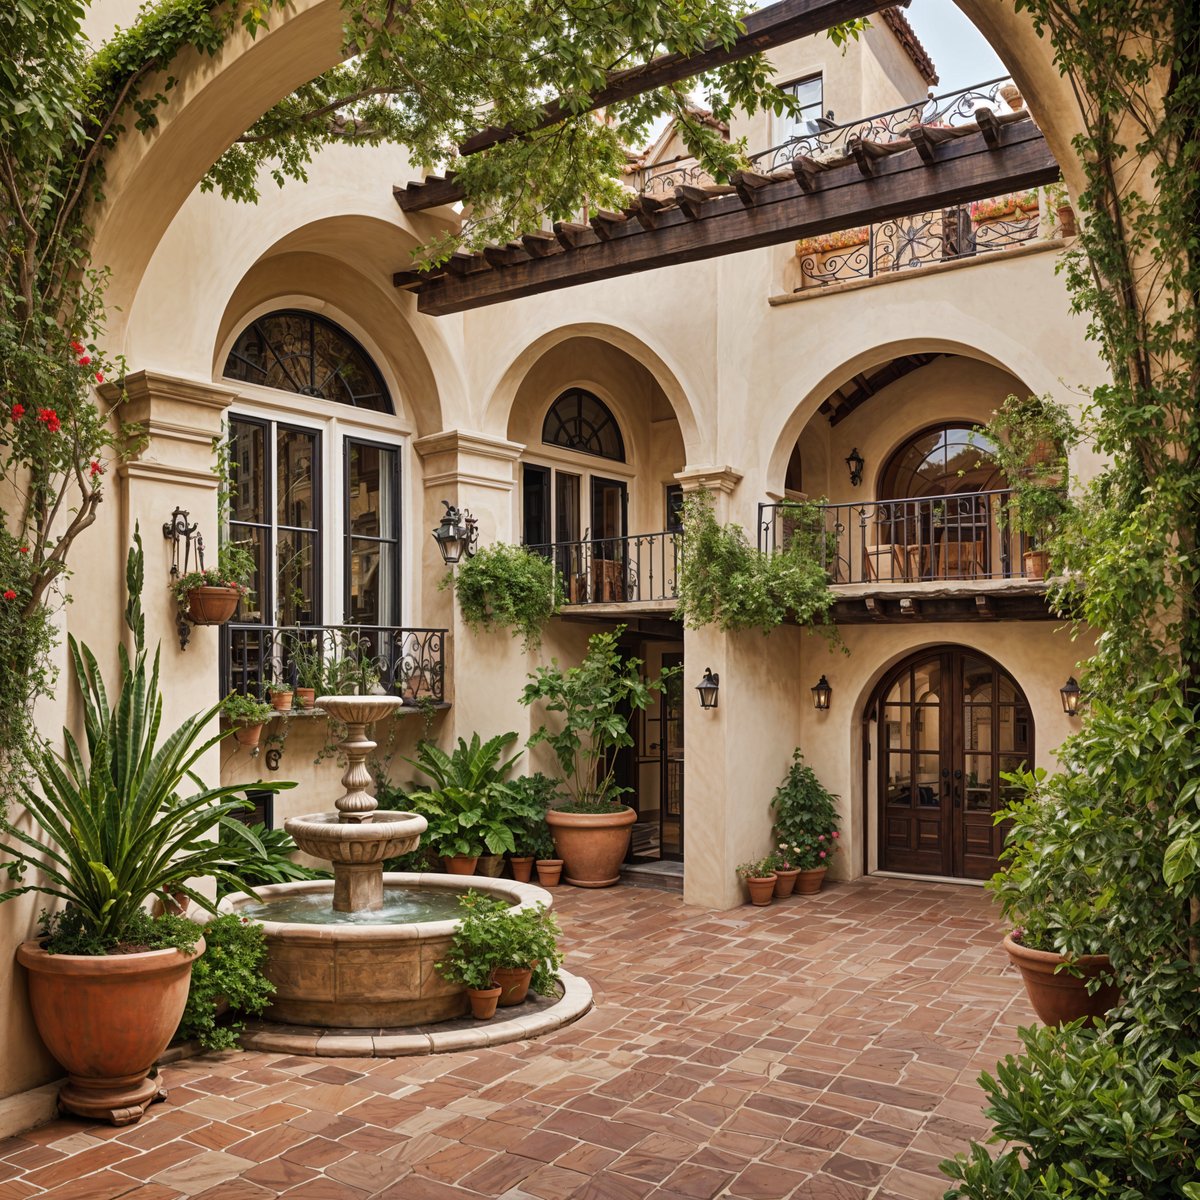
(507, 586)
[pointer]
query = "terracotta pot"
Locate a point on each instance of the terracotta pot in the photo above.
(490, 865)
(247, 733)
(762, 889)
(483, 1002)
(810, 882)
(549, 871)
(1061, 996)
(306, 697)
(522, 868)
(460, 864)
(212, 605)
(513, 983)
(281, 701)
(592, 845)
(1036, 563)
(1066, 221)
(785, 883)
(107, 1019)
(177, 904)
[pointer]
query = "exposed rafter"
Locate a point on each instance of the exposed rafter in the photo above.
(775, 25)
(866, 384)
(706, 223)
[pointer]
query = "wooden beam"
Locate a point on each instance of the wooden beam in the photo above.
(748, 184)
(988, 126)
(572, 235)
(902, 184)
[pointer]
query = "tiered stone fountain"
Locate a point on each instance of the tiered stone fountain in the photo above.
(359, 953)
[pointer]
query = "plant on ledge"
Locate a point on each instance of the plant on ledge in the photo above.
(724, 580)
(507, 586)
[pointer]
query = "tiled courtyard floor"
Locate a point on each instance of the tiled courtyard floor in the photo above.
(824, 1048)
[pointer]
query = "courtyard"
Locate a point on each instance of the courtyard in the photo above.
(826, 1047)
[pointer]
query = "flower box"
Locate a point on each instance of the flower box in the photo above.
(827, 243)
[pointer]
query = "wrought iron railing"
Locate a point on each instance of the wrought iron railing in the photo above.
(627, 570)
(410, 663)
(964, 536)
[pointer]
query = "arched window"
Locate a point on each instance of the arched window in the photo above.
(577, 420)
(944, 461)
(302, 353)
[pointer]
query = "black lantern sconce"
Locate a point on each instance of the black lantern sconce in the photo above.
(854, 461)
(186, 539)
(822, 694)
(458, 534)
(1070, 694)
(709, 688)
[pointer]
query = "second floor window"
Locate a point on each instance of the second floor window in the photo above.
(809, 94)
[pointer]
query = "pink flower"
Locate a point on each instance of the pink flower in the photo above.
(822, 854)
(10, 594)
(820, 837)
(836, 834)
(84, 359)
(18, 411)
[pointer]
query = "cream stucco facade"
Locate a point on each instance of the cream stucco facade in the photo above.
(715, 374)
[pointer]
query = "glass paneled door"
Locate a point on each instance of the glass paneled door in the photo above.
(949, 724)
(609, 503)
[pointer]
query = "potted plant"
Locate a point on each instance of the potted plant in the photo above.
(1059, 202)
(759, 877)
(525, 804)
(805, 814)
(541, 847)
(465, 805)
(307, 661)
(247, 716)
(354, 672)
(1049, 888)
(785, 860)
(590, 704)
(211, 597)
(1029, 439)
(119, 826)
(281, 696)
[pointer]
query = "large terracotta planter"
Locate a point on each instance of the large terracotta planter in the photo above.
(810, 882)
(212, 605)
(1061, 996)
(107, 1019)
(513, 983)
(1037, 563)
(592, 845)
(460, 864)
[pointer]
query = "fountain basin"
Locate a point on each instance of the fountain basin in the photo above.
(370, 838)
(358, 974)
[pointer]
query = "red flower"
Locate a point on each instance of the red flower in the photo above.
(78, 347)
(50, 419)
(10, 594)
(99, 377)
(84, 359)
(18, 411)
(95, 469)
(22, 549)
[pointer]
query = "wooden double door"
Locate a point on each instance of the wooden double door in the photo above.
(950, 723)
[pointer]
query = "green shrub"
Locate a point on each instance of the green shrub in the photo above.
(231, 968)
(492, 935)
(274, 865)
(806, 821)
(525, 805)
(503, 585)
(593, 808)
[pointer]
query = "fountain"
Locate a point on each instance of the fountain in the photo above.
(359, 952)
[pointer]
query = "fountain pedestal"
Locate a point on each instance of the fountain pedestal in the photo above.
(357, 838)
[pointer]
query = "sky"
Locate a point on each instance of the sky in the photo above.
(959, 51)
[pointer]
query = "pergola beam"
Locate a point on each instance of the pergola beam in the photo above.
(773, 26)
(901, 184)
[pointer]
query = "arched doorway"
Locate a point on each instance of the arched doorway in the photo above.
(949, 722)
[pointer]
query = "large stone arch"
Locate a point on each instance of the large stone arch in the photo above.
(214, 99)
(503, 395)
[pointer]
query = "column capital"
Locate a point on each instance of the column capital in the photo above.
(714, 478)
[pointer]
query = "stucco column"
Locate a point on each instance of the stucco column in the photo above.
(485, 671)
(721, 481)
(179, 420)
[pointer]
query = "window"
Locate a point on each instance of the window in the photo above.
(674, 508)
(809, 94)
(940, 462)
(577, 420)
(306, 354)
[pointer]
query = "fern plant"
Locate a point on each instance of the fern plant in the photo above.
(507, 586)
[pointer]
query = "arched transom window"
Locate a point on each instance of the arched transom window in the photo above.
(577, 420)
(944, 461)
(302, 353)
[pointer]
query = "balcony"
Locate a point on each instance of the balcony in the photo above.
(638, 569)
(941, 539)
(410, 663)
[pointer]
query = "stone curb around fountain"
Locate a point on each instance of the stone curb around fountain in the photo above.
(575, 1001)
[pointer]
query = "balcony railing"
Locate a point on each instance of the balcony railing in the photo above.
(636, 569)
(410, 663)
(958, 537)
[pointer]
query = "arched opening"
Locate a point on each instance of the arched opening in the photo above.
(948, 722)
(577, 420)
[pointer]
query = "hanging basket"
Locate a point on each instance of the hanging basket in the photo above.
(212, 605)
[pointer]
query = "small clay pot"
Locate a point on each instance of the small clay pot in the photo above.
(1059, 996)
(281, 701)
(549, 871)
(810, 882)
(762, 889)
(1036, 563)
(490, 865)
(785, 883)
(1066, 221)
(522, 868)
(247, 734)
(483, 1002)
(212, 605)
(513, 983)
(461, 864)
(306, 697)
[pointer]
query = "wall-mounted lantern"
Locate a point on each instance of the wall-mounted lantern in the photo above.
(1070, 697)
(855, 462)
(709, 688)
(822, 694)
(458, 534)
